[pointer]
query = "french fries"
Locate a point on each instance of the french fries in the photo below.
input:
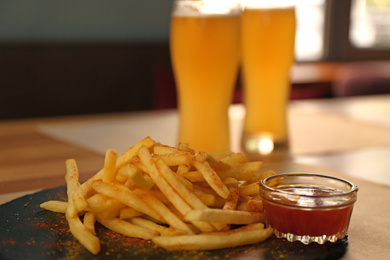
(178, 198)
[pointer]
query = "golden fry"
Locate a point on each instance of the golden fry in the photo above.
(238, 237)
(127, 213)
(250, 189)
(211, 178)
(225, 216)
(110, 165)
(126, 228)
(55, 206)
(79, 231)
(89, 221)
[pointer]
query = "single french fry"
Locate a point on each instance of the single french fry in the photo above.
(182, 169)
(254, 205)
(55, 206)
(225, 216)
(123, 195)
(177, 158)
(110, 165)
(234, 158)
(126, 228)
(185, 147)
(220, 155)
(120, 178)
(127, 213)
(72, 182)
(208, 199)
(231, 182)
(160, 149)
(127, 156)
(78, 230)
(211, 178)
(249, 189)
(237, 237)
(194, 176)
(231, 201)
(252, 166)
(242, 205)
(259, 177)
(89, 221)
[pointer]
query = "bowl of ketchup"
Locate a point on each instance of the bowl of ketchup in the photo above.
(308, 207)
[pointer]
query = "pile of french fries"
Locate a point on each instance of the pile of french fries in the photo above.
(176, 197)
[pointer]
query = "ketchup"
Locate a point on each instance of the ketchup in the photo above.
(308, 207)
(308, 221)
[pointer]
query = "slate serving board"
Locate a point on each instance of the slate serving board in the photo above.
(29, 232)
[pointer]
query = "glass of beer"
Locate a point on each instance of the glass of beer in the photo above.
(268, 36)
(204, 45)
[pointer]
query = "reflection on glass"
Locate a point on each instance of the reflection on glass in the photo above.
(264, 145)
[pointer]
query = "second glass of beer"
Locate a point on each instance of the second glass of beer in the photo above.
(268, 36)
(204, 45)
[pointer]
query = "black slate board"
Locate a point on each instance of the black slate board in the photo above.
(29, 232)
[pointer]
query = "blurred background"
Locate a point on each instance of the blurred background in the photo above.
(82, 57)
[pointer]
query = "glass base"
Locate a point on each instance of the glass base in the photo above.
(264, 147)
(306, 239)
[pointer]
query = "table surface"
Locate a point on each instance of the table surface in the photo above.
(346, 137)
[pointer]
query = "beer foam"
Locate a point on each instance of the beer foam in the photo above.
(267, 4)
(206, 8)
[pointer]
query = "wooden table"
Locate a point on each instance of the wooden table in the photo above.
(32, 153)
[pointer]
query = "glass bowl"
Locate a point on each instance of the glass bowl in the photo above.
(308, 207)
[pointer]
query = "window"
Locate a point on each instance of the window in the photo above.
(309, 41)
(351, 33)
(370, 24)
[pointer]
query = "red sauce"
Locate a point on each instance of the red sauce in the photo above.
(308, 221)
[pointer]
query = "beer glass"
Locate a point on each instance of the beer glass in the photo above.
(204, 45)
(268, 36)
